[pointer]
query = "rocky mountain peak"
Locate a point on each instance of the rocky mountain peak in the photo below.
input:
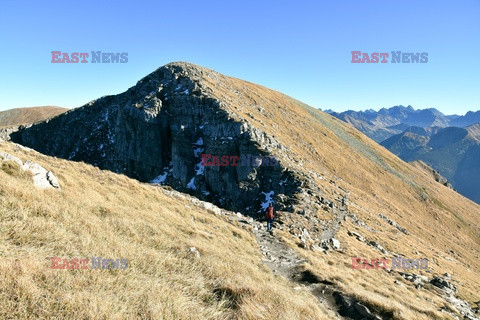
(158, 129)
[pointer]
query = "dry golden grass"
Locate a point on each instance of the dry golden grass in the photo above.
(100, 214)
(443, 225)
(30, 115)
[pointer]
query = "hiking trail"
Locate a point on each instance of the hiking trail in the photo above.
(285, 262)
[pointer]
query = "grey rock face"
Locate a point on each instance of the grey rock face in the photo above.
(158, 130)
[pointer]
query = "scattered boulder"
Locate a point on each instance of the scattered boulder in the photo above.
(335, 244)
(375, 244)
(398, 283)
(359, 222)
(306, 239)
(52, 179)
(8, 157)
(418, 280)
(42, 178)
(356, 235)
(331, 243)
(444, 285)
(463, 307)
(353, 309)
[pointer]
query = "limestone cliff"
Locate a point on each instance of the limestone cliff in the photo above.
(158, 129)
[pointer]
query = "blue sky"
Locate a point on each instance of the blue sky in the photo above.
(301, 48)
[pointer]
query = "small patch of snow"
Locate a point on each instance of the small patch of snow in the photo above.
(197, 151)
(161, 178)
(268, 199)
(199, 169)
(199, 142)
(191, 184)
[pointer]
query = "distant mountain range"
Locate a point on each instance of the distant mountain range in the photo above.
(381, 125)
(448, 143)
(453, 151)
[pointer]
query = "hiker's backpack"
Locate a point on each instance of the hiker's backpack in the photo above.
(269, 214)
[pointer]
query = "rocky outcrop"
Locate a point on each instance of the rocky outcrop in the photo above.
(444, 284)
(5, 132)
(435, 174)
(8, 157)
(158, 129)
(393, 223)
(42, 178)
(351, 308)
(418, 280)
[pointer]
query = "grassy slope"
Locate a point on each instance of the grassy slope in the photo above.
(98, 213)
(20, 116)
(444, 226)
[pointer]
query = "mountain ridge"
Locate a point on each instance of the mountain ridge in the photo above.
(29, 115)
(422, 135)
(380, 125)
(154, 128)
(450, 150)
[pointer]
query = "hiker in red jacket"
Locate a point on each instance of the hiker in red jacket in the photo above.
(269, 215)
